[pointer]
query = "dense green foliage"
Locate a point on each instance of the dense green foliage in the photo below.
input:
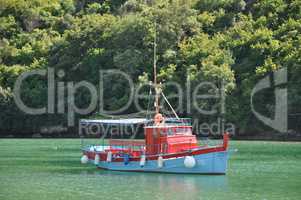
(237, 41)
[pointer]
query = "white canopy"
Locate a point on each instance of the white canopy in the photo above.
(115, 121)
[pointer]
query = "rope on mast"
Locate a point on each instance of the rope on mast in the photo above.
(174, 112)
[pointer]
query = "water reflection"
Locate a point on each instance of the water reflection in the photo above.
(161, 186)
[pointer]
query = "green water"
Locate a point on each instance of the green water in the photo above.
(50, 169)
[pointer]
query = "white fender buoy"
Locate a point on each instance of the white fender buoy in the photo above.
(84, 159)
(109, 156)
(160, 162)
(142, 161)
(96, 159)
(189, 162)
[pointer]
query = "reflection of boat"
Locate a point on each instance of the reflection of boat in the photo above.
(169, 146)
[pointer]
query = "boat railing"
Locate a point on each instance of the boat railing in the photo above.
(138, 148)
(120, 142)
(173, 122)
(209, 142)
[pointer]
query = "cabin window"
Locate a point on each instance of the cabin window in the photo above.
(186, 131)
(169, 131)
(176, 130)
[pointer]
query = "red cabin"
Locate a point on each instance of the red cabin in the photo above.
(169, 139)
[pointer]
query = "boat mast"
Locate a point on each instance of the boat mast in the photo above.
(157, 87)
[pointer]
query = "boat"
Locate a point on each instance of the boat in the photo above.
(169, 146)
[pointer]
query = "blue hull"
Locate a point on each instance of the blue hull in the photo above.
(210, 163)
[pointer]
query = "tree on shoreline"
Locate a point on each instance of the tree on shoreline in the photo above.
(237, 41)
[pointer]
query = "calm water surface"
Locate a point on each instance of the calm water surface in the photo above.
(50, 170)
